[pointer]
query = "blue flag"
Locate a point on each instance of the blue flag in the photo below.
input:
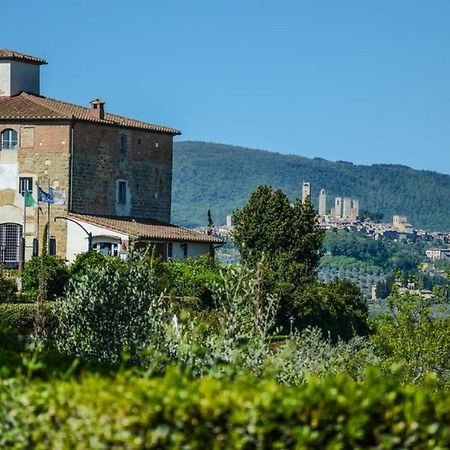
(44, 197)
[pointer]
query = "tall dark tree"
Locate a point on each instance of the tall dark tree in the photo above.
(288, 239)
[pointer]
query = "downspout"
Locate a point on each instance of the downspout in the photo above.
(71, 148)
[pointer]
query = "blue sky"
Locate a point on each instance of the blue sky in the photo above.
(365, 81)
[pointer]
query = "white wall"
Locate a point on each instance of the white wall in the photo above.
(5, 78)
(194, 250)
(17, 76)
(77, 240)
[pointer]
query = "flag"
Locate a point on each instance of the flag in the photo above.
(29, 200)
(44, 197)
(59, 198)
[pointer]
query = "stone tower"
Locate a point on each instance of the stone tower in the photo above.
(322, 202)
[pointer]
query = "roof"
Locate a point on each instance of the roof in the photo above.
(27, 106)
(146, 229)
(16, 56)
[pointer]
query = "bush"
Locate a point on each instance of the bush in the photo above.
(193, 278)
(50, 269)
(110, 309)
(410, 336)
(84, 262)
(19, 317)
(17, 321)
(127, 411)
(338, 308)
(7, 287)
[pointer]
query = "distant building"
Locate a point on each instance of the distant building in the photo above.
(306, 191)
(322, 203)
(230, 221)
(337, 210)
(354, 211)
(438, 253)
(400, 223)
(346, 209)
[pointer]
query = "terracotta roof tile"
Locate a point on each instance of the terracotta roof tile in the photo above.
(16, 56)
(147, 228)
(28, 106)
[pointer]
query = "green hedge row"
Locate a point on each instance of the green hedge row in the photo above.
(127, 411)
(19, 317)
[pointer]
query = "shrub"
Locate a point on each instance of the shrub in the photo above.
(193, 278)
(338, 308)
(7, 287)
(51, 270)
(410, 336)
(17, 322)
(19, 317)
(127, 411)
(84, 262)
(111, 309)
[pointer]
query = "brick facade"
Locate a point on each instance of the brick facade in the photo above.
(98, 164)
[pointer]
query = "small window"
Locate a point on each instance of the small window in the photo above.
(156, 144)
(123, 146)
(9, 140)
(121, 192)
(25, 185)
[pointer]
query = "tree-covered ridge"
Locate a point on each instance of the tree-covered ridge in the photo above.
(221, 178)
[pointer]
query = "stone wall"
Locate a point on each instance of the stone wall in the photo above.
(48, 162)
(145, 164)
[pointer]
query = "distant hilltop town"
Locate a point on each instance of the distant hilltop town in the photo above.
(346, 215)
(344, 207)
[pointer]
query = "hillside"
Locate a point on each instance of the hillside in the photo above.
(221, 178)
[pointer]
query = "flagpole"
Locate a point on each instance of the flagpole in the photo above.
(48, 222)
(24, 232)
(37, 217)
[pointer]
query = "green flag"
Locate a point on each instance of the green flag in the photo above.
(29, 200)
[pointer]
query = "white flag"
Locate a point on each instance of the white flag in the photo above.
(59, 198)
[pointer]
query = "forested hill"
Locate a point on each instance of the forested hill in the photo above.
(222, 177)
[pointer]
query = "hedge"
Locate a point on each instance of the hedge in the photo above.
(19, 317)
(126, 411)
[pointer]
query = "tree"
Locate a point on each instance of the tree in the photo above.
(287, 236)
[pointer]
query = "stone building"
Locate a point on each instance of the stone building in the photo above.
(306, 191)
(115, 173)
(322, 203)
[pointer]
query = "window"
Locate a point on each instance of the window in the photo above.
(107, 248)
(9, 139)
(25, 184)
(121, 192)
(123, 146)
(10, 238)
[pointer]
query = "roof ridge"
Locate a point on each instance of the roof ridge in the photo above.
(36, 100)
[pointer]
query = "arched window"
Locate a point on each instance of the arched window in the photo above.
(9, 139)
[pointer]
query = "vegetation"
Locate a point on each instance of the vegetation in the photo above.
(141, 353)
(128, 411)
(237, 171)
(7, 287)
(46, 275)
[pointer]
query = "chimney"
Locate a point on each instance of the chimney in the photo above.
(98, 108)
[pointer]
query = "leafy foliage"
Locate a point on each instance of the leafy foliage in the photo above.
(51, 270)
(173, 411)
(415, 339)
(110, 309)
(192, 278)
(237, 171)
(7, 287)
